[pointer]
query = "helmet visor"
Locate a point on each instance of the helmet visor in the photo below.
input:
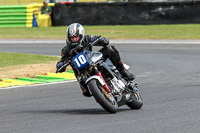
(74, 38)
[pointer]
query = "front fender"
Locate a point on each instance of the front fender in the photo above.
(97, 78)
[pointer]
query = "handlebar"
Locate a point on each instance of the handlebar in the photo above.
(76, 48)
(81, 46)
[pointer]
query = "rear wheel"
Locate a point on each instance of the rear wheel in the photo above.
(105, 99)
(135, 101)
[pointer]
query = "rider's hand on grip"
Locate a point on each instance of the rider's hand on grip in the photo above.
(94, 40)
(61, 66)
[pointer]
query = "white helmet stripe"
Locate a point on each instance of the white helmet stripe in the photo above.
(72, 29)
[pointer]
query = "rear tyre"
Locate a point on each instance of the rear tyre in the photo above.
(135, 101)
(106, 100)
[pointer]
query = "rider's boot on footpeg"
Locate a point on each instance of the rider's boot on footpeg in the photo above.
(125, 73)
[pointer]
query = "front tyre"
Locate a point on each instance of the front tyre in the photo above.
(106, 100)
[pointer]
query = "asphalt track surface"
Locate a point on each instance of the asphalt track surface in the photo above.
(168, 75)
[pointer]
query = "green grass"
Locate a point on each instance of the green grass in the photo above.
(11, 59)
(179, 31)
(190, 31)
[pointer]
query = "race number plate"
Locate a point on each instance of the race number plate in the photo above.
(80, 61)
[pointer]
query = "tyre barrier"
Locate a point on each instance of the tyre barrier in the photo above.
(19, 15)
(39, 79)
(15, 16)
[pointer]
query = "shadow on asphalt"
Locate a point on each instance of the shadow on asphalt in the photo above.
(94, 111)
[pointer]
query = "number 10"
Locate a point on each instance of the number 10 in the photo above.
(80, 59)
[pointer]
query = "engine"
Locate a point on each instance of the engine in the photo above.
(118, 85)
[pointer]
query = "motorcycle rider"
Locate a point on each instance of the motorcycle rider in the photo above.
(76, 36)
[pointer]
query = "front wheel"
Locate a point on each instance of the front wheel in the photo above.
(106, 100)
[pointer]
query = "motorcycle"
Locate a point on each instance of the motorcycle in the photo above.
(102, 80)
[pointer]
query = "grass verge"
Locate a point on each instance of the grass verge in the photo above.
(178, 31)
(15, 65)
(13, 59)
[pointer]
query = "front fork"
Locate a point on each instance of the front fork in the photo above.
(97, 72)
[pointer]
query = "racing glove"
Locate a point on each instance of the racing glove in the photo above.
(59, 65)
(102, 42)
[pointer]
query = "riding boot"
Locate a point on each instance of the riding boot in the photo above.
(125, 73)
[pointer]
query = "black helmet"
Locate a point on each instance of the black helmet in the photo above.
(75, 29)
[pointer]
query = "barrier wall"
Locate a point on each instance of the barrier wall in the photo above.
(125, 13)
(19, 2)
(15, 16)
(19, 15)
